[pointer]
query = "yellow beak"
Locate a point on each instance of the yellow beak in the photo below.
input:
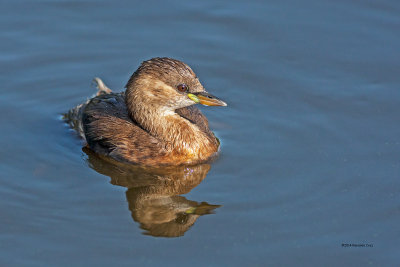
(206, 99)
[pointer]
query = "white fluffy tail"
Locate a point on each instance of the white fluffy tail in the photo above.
(102, 88)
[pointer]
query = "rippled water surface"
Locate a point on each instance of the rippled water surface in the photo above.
(310, 140)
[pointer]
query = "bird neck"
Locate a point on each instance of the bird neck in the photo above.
(176, 132)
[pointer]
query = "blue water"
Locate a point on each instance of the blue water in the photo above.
(310, 156)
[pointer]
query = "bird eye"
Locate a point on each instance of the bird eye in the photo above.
(183, 87)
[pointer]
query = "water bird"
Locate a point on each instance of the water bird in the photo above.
(154, 121)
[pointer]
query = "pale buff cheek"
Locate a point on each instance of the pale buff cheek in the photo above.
(169, 95)
(164, 89)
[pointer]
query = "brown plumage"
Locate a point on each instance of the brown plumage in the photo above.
(154, 121)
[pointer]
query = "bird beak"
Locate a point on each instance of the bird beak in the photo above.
(206, 99)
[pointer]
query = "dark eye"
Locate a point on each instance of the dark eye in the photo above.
(183, 87)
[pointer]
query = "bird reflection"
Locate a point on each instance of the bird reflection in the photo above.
(154, 194)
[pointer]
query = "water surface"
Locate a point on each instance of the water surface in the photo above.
(310, 140)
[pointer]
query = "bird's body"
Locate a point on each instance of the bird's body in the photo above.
(154, 122)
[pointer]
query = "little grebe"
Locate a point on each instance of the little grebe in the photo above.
(154, 121)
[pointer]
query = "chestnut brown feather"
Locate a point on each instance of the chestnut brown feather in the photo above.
(152, 123)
